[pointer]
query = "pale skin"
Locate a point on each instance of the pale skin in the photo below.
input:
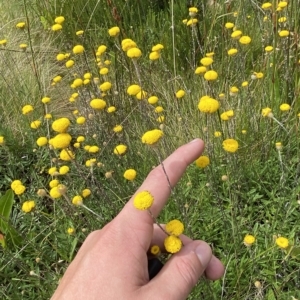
(112, 262)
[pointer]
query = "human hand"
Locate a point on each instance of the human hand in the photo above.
(112, 262)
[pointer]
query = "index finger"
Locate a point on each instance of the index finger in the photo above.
(158, 184)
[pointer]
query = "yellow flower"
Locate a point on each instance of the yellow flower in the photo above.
(105, 86)
(27, 109)
(155, 250)
(244, 131)
(101, 49)
(245, 83)
(57, 79)
(46, 100)
(160, 119)
(143, 200)
(52, 171)
(208, 105)
(236, 34)
(266, 112)
(120, 149)
(179, 94)
(103, 71)
(28, 206)
(230, 145)
(174, 227)
(278, 146)
(128, 44)
(229, 25)
(98, 104)
(2, 141)
(35, 124)
(217, 133)
(157, 48)
(42, 141)
(172, 244)
(59, 20)
(61, 141)
(61, 125)
(282, 20)
(200, 70)
(154, 55)
(19, 189)
(48, 116)
(206, 61)
(3, 42)
(249, 240)
(118, 128)
(192, 22)
(284, 33)
(268, 48)
(21, 25)
(141, 95)
(233, 90)
(77, 200)
(66, 155)
(63, 170)
(85, 193)
(78, 49)
(70, 230)
(53, 183)
(193, 11)
(285, 107)
(80, 120)
(203, 161)
(15, 183)
(111, 109)
(266, 6)
(159, 109)
(94, 149)
(114, 31)
(54, 193)
(211, 75)
(282, 4)
(225, 116)
(232, 51)
(77, 82)
(245, 40)
(152, 100)
(130, 174)
(152, 137)
(70, 63)
(282, 242)
(134, 52)
(79, 32)
(56, 27)
(133, 89)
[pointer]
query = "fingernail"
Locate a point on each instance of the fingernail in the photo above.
(204, 254)
(193, 141)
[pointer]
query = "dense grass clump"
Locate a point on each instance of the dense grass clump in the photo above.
(82, 82)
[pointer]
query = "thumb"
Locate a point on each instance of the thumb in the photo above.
(182, 272)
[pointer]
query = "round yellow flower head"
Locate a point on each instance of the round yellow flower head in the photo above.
(268, 48)
(94, 149)
(245, 40)
(2, 141)
(66, 155)
(141, 95)
(249, 240)
(174, 227)
(118, 128)
(111, 109)
(42, 141)
(157, 48)
(28, 206)
(152, 100)
(203, 161)
(282, 19)
(133, 89)
(266, 5)
(101, 49)
(179, 94)
(258, 75)
(105, 86)
(206, 61)
(152, 137)
(143, 200)
(19, 189)
(193, 11)
(284, 33)
(155, 250)
(229, 25)
(232, 51)
(114, 31)
(128, 44)
(86, 192)
(233, 90)
(54, 193)
(46, 100)
(70, 63)
(80, 120)
(59, 20)
(57, 79)
(53, 183)
(63, 170)
(172, 244)
(210, 75)
(266, 112)
(48, 116)
(192, 22)
(103, 71)
(120, 149)
(21, 25)
(154, 55)
(217, 133)
(77, 200)
(230, 145)
(61, 141)
(98, 104)
(200, 70)
(52, 171)
(56, 27)
(78, 49)
(208, 105)
(35, 124)
(134, 53)
(278, 146)
(79, 32)
(285, 107)
(282, 242)
(27, 109)
(282, 4)
(130, 174)
(245, 83)
(71, 230)
(236, 34)
(61, 125)
(15, 183)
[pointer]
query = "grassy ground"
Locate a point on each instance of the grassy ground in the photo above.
(252, 191)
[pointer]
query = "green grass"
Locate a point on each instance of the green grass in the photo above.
(260, 193)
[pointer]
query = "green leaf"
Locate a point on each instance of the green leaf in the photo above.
(295, 253)
(6, 203)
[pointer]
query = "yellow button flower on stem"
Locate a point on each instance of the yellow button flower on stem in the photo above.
(266, 112)
(179, 94)
(111, 109)
(61, 141)
(155, 250)
(154, 55)
(79, 32)
(118, 128)
(245, 40)
(61, 125)
(77, 200)
(236, 34)
(78, 49)
(174, 227)
(28, 206)
(157, 48)
(206, 61)
(2, 141)
(229, 25)
(202, 162)
(200, 70)
(21, 25)
(134, 53)
(27, 109)
(285, 107)
(63, 170)
(152, 100)
(268, 48)
(56, 27)
(114, 31)
(105, 86)
(133, 89)
(282, 242)
(98, 104)
(59, 20)
(130, 174)
(208, 105)
(143, 200)
(172, 244)
(232, 51)
(266, 6)
(211, 75)
(15, 183)
(152, 137)
(66, 155)
(70, 63)
(19, 189)
(101, 49)
(230, 145)
(249, 240)
(86, 192)
(120, 149)
(192, 22)
(35, 124)
(284, 33)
